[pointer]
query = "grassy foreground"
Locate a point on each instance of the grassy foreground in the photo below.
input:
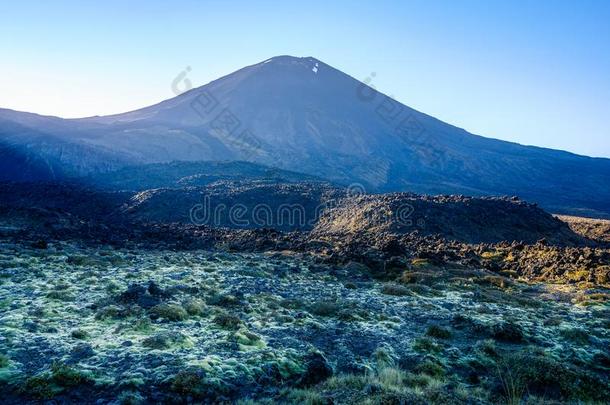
(100, 325)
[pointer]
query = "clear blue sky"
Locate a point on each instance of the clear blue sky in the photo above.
(535, 72)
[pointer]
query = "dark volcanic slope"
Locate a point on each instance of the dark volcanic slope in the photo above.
(301, 114)
(72, 198)
(331, 211)
(303, 206)
(191, 174)
(241, 205)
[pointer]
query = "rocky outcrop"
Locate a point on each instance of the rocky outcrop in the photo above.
(464, 219)
(506, 236)
(237, 205)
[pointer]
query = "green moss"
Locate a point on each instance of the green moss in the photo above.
(239, 356)
(196, 384)
(576, 335)
(141, 325)
(61, 295)
(66, 376)
(426, 345)
(131, 382)
(528, 302)
(194, 307)
(188, 382)
(109, 312)
(166, 340)
(81, 260)
(324, 308)
(507, 331)
(112, 286)
(553, 321)
(284, 318)
(130, 398)
(289, 368)
(350, 314)
(247, 338)
(292, 303)
(4, 361)
(115, 260)
(438, 332)
(223, 300)
(116, 312)
(170, 312)
(49, 384)
(79, 334)
(227, 320)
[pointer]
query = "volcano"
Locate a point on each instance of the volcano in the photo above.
(301, 114)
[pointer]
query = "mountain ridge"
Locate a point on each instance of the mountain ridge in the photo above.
(302, 114)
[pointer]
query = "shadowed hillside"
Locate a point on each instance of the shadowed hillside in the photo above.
(303, 115)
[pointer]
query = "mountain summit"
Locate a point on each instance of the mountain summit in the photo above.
(304, 115)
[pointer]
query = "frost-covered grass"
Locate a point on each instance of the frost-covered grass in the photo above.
(88, 324)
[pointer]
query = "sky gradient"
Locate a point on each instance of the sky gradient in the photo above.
(533, 72)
